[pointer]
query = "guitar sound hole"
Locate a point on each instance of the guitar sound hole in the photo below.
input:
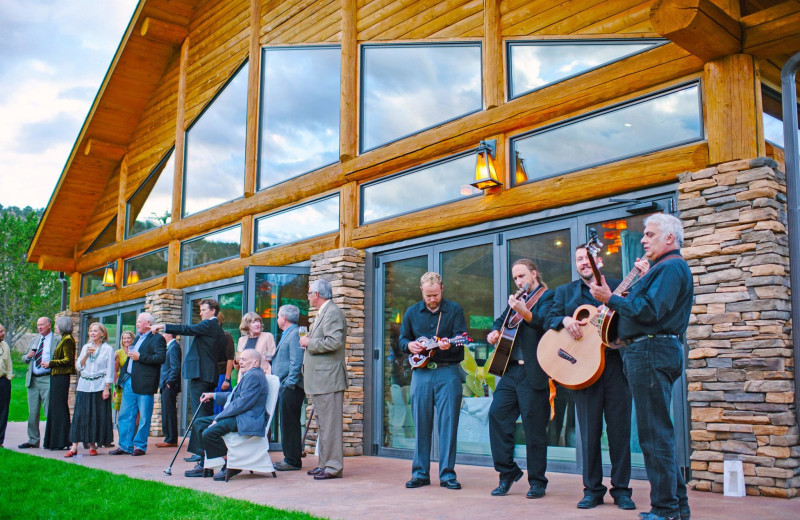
(582, 314)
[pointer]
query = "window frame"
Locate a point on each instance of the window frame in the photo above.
(125, 266)
(112, 224)
(256, 249)
(103, 289)
(201, 237)
(159, 167)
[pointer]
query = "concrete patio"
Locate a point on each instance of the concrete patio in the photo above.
(373, 488)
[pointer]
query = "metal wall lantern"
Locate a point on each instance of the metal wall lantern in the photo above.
(485, 172)
(108, 275)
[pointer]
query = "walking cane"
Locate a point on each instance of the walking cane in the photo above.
(305, 433)
(168, 471)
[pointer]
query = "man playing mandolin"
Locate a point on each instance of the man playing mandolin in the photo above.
(437, 384)
(524, 388)
(608, 396)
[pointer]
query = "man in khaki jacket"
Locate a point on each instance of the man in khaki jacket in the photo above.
(325, 375)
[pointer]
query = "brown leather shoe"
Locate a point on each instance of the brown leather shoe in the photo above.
(166, 445)
(137, 452)
(324, 475)
(314, 472)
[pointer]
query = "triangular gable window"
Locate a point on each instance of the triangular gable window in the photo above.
(106, 237)
(151, 206)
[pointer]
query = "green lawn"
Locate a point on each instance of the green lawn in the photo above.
(18, 409)
(45, 488)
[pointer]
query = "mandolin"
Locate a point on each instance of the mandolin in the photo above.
(508, 333)
(431, 346)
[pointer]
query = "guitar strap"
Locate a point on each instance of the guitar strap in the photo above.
(436, 334)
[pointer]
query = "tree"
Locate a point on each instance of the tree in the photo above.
(26, 293)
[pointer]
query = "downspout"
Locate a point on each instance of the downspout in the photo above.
(63, 280)
(791, 157)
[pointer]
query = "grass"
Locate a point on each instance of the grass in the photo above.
(18, 408)
(45, 488)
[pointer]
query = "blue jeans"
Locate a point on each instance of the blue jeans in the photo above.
(131, 404)
(652, 366)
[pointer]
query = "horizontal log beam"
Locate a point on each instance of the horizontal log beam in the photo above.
(104, 150)
(56, 263)
(102, 299)
(774, 32)
(161, 31)
(698, 26)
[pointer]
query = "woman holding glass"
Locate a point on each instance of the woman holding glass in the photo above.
(91, 422)
(254, 337)
(62, 366)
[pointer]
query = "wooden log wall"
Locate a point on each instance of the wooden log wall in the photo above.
(220, 36)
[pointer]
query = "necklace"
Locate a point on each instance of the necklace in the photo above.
(92, 357)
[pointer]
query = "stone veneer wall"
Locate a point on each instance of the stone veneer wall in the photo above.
(76, 334)
(740, 379)
(166, 306)
(344, 268)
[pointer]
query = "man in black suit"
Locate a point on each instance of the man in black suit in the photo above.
(200, 364)
(170, 386)
(139, 380)
(244, 411)
(287, 364)
(609, 395)
(524, 389)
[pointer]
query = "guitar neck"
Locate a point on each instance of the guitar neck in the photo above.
(623, 286)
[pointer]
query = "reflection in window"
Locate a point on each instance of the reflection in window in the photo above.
(533, 65)
(424, 187)
(92, 282)
(106, 237)
(145, 267)
(408, 88)
(151, 206)
(213, 247)
(651, 124)
(308, 220)
(273, 291)
(773, 117)
(299, 112)
(215, 147)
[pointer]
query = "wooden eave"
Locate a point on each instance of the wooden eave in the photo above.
(132, 77)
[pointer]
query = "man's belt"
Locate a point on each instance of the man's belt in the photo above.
(433, 365)
(518, 362)
(631, 341)
(34, 374)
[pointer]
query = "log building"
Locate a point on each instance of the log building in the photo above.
(238, 148)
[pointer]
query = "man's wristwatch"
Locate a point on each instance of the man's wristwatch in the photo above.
(227, 379)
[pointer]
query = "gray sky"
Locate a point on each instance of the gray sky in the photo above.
(53, 57)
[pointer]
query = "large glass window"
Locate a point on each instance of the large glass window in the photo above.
(773, 117)
(210, 248)
(532, 65)
(106, 237)
(151, 206)
(411, 87)
(654, 123)
(300, 91)
(215, 148)
(92, 282)
(146, 266)
(308, 220)
(427, 186)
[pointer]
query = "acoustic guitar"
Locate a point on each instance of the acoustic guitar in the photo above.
(498, 362)
(431, 346)
(578, 363)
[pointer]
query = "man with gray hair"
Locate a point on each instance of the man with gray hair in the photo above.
(139, 378)
(653, 320)
(287, 364)
(37, 379)
(326, 377)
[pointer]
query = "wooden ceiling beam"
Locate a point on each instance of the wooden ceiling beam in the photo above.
(56, 263)
(161, 31)
(104, 150)
(698, 26)
(776, 33)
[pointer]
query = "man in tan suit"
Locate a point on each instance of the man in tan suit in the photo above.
(325, 375)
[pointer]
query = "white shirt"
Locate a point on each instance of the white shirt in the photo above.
(45, 354)
(135, 348)
(98, 370)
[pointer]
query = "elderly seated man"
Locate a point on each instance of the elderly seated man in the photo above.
(245, 412)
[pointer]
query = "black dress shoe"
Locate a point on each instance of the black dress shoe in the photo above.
(324, 475)
(314, 472)
(193, 458)
(226, 474)
(284, 466)
(625, 502)
(450, 484)
(118, 451)
(589, 502)
(505, 485)
(418, 482)
(138, 453)
(26, 445)
(535, 492)
(199, 471)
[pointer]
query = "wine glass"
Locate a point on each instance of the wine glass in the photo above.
(302, 331)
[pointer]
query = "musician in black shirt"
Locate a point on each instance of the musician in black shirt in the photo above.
(437, 386)
(653, 319)
(523, 390)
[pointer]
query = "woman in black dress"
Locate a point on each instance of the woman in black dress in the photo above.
(62, 366)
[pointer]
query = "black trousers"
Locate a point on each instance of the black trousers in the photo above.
(56, 431)
(5, 401)
(291, 402)
(513, 397)
(196, 388)
(610, 396)
(169, 414)
(209, 437)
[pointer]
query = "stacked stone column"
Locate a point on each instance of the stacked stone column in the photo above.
(166, 307)
(344, 268)
(740, 369)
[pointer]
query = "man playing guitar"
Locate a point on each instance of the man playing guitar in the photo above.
(608, 396)
(523, 389)
(437, 385)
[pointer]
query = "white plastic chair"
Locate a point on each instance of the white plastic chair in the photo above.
(250, 452)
